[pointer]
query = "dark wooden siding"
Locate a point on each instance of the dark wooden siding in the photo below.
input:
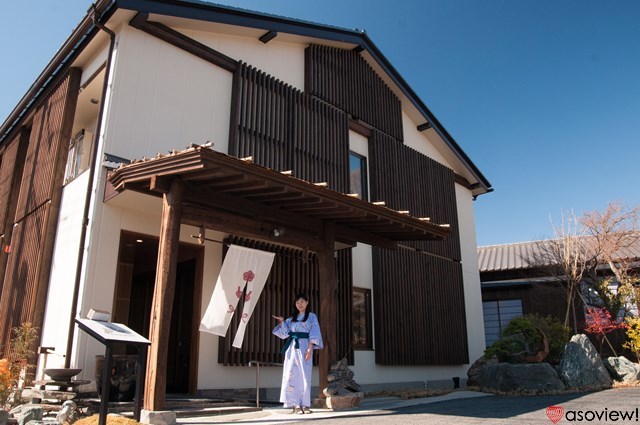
(409, 180)
(544, 299)
(419, 309)
(344, 79)
(285, 129)
(27, 273)
(290, 274)
(20, 291)
(11, 163)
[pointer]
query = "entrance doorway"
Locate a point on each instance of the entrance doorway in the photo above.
(135, 281)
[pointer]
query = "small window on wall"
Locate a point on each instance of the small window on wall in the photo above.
(358, 175)
(79, 155)
(361, 318)
(497, 315)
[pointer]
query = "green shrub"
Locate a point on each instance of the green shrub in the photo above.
(633, 335)
(522, 338)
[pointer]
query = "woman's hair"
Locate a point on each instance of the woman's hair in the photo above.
(294, 315)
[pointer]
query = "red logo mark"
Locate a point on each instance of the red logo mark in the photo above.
(248, 276)
(555, 413)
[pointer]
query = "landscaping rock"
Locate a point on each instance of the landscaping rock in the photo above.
(622, 369)
(27, 412)
(534, 377)
(476, 367)
(346, 401)
(581, 366)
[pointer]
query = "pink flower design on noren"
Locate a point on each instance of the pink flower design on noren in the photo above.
(247, 297)
(239, 293)
(244, 317)
(231, 309)
(248, 276)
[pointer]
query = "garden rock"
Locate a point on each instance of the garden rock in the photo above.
(27, 412)
(346, 401)
(476, 367)
(622, 369)
(581, 366)
(535, 377)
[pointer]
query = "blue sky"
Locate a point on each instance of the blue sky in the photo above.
(543, 95)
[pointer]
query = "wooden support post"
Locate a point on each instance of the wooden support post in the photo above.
(156, 381)
(328, 308)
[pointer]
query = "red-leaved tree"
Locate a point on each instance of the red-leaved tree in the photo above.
(600, 323)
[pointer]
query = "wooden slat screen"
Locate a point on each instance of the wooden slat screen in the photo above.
(7, 167)
(47, 151)
(419, 309)
(285, 129)
(409, 180)
(344, 79)
(11, 162)
(289, 275)
(26, 276)
(19, 292)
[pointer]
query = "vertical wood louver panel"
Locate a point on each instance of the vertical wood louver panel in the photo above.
(19, 293)
(408, 180)
(38, 207)
(344, 79)
(11, 163)
(285, 129)
(289, 275)
(414, 295)
(47, 147)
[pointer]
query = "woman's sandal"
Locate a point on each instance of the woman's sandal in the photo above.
(298, 411)
(307, 410)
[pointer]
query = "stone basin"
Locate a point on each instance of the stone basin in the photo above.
(62, 375)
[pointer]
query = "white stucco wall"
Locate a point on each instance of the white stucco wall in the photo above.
(65, 256)
(470, 273)
(419, 140)
(284, 61)
(164, 98)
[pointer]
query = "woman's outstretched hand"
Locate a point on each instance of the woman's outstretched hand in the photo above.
(280, 319)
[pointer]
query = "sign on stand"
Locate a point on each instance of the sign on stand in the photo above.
(109, 333)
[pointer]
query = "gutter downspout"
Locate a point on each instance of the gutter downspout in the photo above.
(87, 205)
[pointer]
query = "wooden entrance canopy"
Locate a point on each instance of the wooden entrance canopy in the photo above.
(202, 187)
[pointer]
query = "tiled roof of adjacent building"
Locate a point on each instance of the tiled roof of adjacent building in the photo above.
(522, 255)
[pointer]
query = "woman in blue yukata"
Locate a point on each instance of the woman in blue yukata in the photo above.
(302, 334)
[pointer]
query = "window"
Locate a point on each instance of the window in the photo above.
(361, 318)
(358, 175)
(79, 155)
(497, 315)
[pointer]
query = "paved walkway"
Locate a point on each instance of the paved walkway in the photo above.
(461, 408)
(279, 415)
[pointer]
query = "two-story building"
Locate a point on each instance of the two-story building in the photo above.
(163, 130)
